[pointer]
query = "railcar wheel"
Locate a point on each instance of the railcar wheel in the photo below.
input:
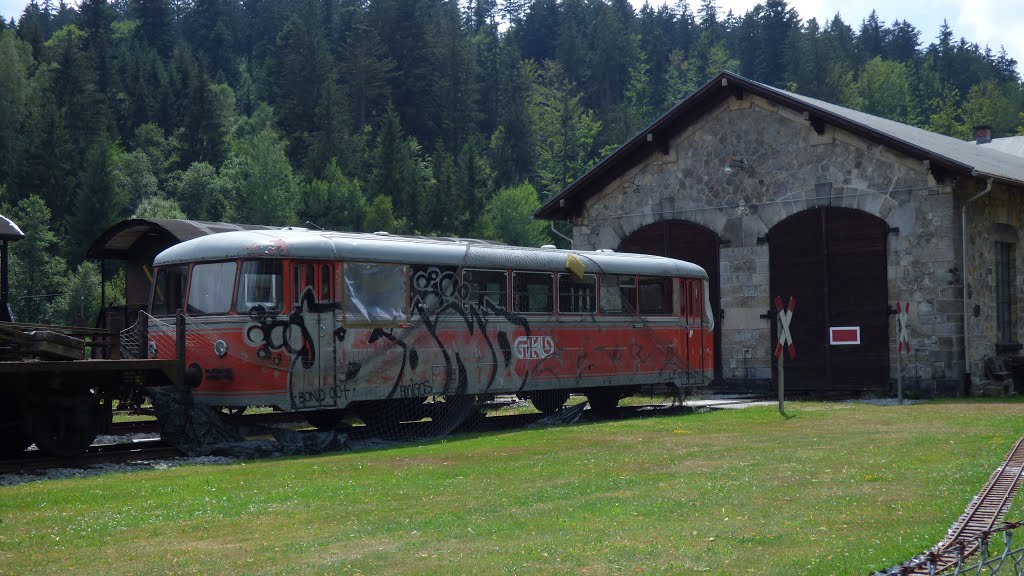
(326, 420)
(66, 425)
(603, 402)
(549, 401)
(459, 411)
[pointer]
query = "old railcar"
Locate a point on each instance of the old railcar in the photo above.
(323, 321)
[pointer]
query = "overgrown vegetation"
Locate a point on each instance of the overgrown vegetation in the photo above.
(837, 489)
(415, 116)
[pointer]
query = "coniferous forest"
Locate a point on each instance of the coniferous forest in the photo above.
(451, 117)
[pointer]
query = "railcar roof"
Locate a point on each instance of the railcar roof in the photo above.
(325, 245)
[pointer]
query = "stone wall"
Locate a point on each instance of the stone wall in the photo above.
(747, 165)
(994, 217)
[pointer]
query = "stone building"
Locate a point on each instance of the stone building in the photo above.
(780, 195)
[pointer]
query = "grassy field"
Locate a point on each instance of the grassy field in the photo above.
(835, 489)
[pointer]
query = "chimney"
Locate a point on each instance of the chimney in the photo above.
(982, 134)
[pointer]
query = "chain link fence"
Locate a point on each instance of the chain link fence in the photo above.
(993, 553)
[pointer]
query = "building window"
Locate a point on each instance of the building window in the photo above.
(1006, 288)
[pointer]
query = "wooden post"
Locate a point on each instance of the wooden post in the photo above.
(143, 336)
(782, 384)
(899, 376)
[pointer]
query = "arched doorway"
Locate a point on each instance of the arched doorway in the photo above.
(684, 241)
(833, 261)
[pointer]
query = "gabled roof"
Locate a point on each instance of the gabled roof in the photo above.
(117, 241)
(955, 156)
(9, 230)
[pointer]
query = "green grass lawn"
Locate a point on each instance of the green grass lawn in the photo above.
(836, 489)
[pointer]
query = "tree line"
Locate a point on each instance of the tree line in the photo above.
(412, 116)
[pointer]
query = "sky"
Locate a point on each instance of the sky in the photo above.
(992, 22)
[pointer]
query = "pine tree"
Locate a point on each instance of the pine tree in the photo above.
(452, 104)
(155, 24)
(870, 40)
(99, 203)
(36, 272)
(15, 61)
(565, 130)
(366, 70)
(513, 143)
(212, 25)
(398, 172)
(201, 138)
(299, 73)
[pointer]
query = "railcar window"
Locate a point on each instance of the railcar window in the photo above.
(376, 292)
(696, 301)
(655, 295)
(618, 294)
(709, 316)
(577, 295)
(169, 290)
(260, 284)
(303, 276)
(209, 290)
(532, 292)
(433, 287)
(325, 283)
(486, 285)
(684, 297)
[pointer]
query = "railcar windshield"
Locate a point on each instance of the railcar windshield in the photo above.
(376, 292)
(210, 288)
(169, 290)
(260, 284)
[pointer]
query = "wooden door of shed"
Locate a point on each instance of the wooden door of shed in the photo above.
(833, 261)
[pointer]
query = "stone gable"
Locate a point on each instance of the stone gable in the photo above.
(749, 163)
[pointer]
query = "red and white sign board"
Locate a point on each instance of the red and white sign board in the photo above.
(844, 335)
(785, 316)
(903, 327)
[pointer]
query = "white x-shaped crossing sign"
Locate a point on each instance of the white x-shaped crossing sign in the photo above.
(902, 327)
(785, 316)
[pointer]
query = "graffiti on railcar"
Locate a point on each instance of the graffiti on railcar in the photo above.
(272, 333)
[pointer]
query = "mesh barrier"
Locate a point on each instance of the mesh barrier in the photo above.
(132, 340)
(994, 553)
(499, 340)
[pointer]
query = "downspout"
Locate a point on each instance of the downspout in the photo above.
(559, 234)
(963, 268)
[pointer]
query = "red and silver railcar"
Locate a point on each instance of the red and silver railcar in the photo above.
(314, 320)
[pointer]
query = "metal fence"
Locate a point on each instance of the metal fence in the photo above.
(996, 555)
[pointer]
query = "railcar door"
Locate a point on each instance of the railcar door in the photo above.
(311, 337)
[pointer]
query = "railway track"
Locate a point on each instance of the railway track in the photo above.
(129, 450)
(983, 515)
(35, 461)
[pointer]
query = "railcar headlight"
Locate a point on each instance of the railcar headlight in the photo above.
(152, 349)
(220, 348)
